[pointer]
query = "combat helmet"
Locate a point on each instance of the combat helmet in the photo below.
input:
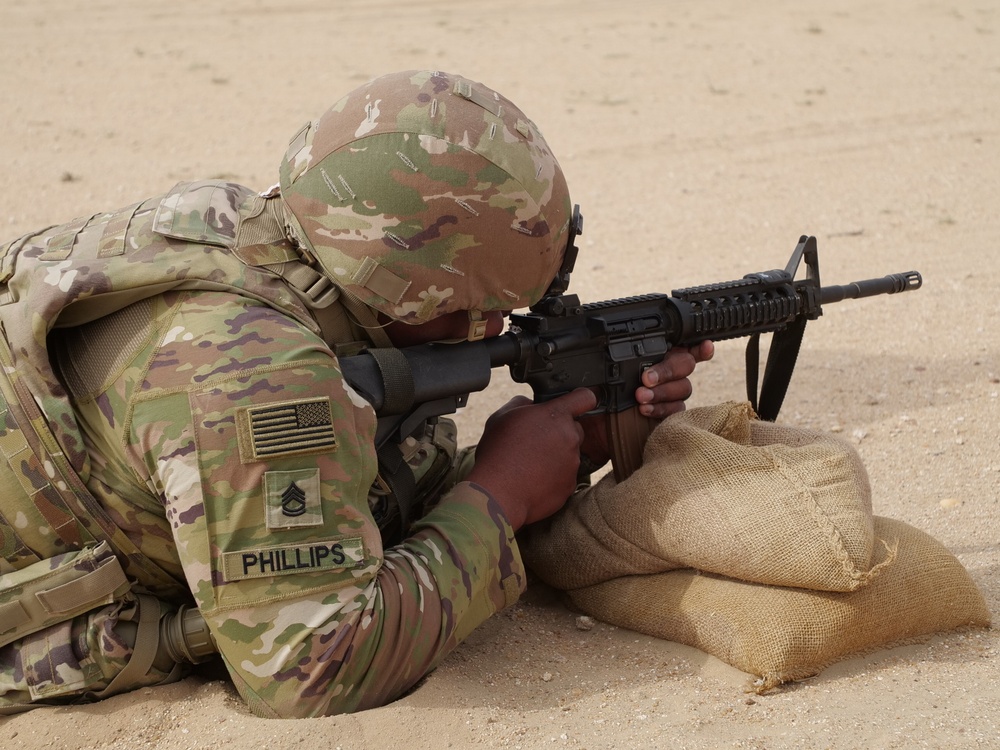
(422, 193)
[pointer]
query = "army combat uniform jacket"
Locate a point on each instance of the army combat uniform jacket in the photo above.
(170, 397)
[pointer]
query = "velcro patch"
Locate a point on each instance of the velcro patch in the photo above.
(292, 499)
(286, 559)
(380, 280)
(287, 428)
(466, 90)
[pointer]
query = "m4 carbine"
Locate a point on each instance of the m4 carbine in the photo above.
(562, 344)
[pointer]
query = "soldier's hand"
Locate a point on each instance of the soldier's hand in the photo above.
(665, 385)
(529, 455)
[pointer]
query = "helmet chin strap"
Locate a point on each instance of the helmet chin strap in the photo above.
(367, 319)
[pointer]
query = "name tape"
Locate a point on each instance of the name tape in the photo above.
(286, 559)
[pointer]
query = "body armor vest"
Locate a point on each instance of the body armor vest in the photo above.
(61, 554)
(203, 235)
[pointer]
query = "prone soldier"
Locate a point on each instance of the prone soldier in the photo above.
(179, 439)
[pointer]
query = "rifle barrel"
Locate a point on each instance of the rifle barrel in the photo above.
(891, 284)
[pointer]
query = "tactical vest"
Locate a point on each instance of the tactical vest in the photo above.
(204, 235)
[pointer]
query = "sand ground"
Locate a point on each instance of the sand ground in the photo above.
(701, 139)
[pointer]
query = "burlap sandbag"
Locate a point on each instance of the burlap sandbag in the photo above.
(722, 492)
(783, 634)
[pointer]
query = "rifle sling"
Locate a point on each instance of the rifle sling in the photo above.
(397, 476)
(397, 380)
(781, 359)
(398, 398)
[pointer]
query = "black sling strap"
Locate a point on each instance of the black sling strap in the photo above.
(395, 474)
(777, 372)
(396, 478)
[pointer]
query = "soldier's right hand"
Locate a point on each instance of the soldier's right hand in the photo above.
(529, 455)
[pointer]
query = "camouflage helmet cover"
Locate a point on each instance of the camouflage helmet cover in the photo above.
(422, 193)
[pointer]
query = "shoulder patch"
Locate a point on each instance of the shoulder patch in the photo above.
(286, 428)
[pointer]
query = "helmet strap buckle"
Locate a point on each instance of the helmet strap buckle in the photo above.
(477, 326)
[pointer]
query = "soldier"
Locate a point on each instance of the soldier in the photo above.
(187, 471)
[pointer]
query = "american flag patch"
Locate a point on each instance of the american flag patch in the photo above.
(291, 427)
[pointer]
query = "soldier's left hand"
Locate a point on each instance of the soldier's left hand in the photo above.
(665, 386)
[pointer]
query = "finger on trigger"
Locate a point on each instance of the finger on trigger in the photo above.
(580, 401)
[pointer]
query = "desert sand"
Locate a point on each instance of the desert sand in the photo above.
(701, 139)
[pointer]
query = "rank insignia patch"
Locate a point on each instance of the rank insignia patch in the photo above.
(287, 428)
(292, 499)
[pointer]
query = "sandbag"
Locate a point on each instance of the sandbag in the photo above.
(781, 634)
(723, 492)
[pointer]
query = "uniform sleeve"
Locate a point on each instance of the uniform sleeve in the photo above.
(263, 457)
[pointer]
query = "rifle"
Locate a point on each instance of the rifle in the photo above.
(561, 344)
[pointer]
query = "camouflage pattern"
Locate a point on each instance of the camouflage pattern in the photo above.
(66, 655)
(209, 436)
(423, 193)
(81, 271)
(78, 657)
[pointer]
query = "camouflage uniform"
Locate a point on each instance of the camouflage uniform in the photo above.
(191, 417)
